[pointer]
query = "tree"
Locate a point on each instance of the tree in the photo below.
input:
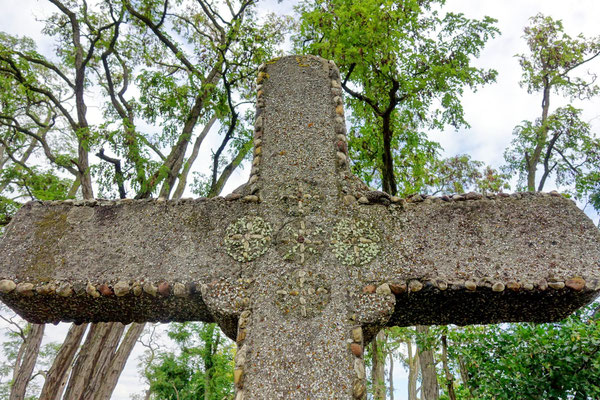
(201, 369)
(25, 359)
(191, 63)
(537, 361)
(558, 141)
(404, 67)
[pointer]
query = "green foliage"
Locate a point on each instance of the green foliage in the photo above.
(559, 142)
(35, 183)
(533, 361)
(203, 363)
(405, 67)
(552, 57)
(571, 151)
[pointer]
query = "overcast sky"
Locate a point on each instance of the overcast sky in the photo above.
(492, 112)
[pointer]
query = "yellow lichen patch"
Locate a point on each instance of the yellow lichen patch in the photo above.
(302, 61)
(50, 230)
(261, 77)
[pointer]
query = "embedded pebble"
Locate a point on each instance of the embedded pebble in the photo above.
(251, 198)
(556, 285)
(238, 374)
(359, 389)
(369, 289)
(150, 289)
(383, 289)
(164, 288)
(105, 290)
(357, 334)
(64, 290)
(473, 196)
(415, 286)
(356, 349)
(398, 288)
(91, 290)
(576, 284)
(498, 287)
(7, 286)
(513, 285)
(179, 290)
(470, 285)
(24, 289)
(359, 368)
(121, 288)
(349, 199)
(47, 289)
(136, 289)
(363, 200)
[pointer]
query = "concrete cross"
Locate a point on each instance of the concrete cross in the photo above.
(304, 264)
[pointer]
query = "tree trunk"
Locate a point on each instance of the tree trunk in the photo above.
(105, 357)
(378, 368)
(534, 159)
(391, 376)
(449, 376)
(58, 375)
(188, 165)
(87, 359)
(464, 375)
(216, 189)
(24, 368)
(388, 181)
(111, 375)
(413, 370)
(429, 385)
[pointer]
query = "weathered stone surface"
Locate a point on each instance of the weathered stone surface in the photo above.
(297, 336)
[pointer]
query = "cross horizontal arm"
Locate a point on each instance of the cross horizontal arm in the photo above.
(131, 260)
(524, 257)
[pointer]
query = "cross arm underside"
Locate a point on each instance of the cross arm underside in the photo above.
(524, 257)
(119, 261)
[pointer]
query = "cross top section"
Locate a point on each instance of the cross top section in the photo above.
(300, 133)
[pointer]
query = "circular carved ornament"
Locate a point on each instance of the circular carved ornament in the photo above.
(247, 238)
(355, 242)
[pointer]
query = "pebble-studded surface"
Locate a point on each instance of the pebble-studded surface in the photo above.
(303, 265)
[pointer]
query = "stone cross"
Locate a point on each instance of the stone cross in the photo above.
(303, 264)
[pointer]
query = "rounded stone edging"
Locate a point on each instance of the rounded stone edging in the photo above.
(185, 289)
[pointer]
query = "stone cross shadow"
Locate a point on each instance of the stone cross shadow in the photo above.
(303, 265)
